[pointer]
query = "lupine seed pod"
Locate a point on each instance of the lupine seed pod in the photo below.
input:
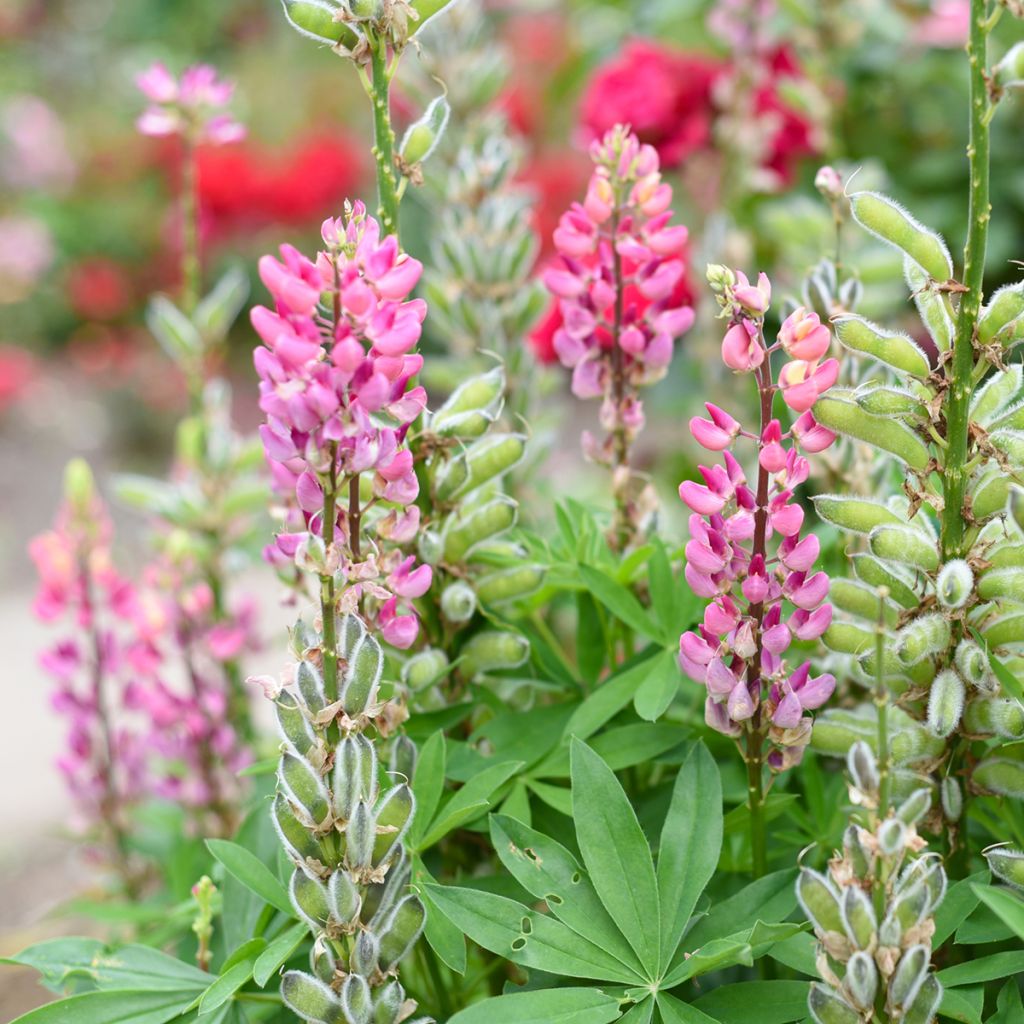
(911, 905)
(954, 584)
(322, 960)
(1006, 556)
(972, 664)
(858, 917)
(859, 599)
(926, 1003)
(478, 524)
(1002, 583)
(1011, 418)
(1007, 864)
(304, 788)
(820, 901)
(998, 716)
(905, 546)
(294, 723)
(1000, 318)
(497, 553)
(1011, 444)
(855, 515)
(922, 637)
(856, 852)
(892, 837)
(848, 638)
(893, 670)
(931, 305)
(861, 980)
(356, 1000)
(387, 1005)
(888, 401)
(315, 20)
(909, 976)
(425, 668)
(310, 999)
(485, 460)
(952, 799)
(393, 817)
(877, 574)
(1004, 630)
(294, 836)
(891, 435)
(422, 136)
(430, 547)
(989, 490)
(343, 897)
(915, 807)
(480, 393)
(999, 389)
(862, 765)
(509, 584)
(401, 930)
(886, 219)
(458, 602)
(945, 703)
(827, 1007)
(491, 651)
(355, 774)
(894, 349)
(311, 686)
(837, 730)
(309, 898)
(1002, 775)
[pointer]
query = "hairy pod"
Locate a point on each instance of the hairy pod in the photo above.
(861, 981)
(401, 930)
(387, 1005)
(995, 716)
(1007, 864)
(304, 787)
(509, 584)
(293, 724)
(360, 836)
(365, 954)
(430, 546)
(855, 515)
(859, 856)
(1011, 444)
(921, 638)
(858, 917)
(909, 975)
(499, 553)
(894, 349)
(361, 678)
(309, 898)
(482, 393)
(893, 671)
(972, 664)
(422, 136)
(876, 573)
(295, 837)
(1010, 418)
(465, 425)
(945, 703)
(425, 668)
(478, 524)
(954, 584)
(952, 797)
(891, 435)
(888, 401)
(892, 837)
(1001, 319)
(1003, 630)
(393, 816)
(485, 460)
(863, 768)
(860, 600)
(494, 651)
(310, 999)
(1002, 775)
(886, 219)
(310, 685)
(912, 904)
(926, 1003)
(458, 602)
(355, 774)
(343, 897)
(931, 305)
(322, 960)
(828, 1007)
(905, 546)
(1002, 583)
(356, 1000)
(1008, 555)
(820, 901)
(990, 397)
(848, 638)
(915, 807)
(989, 492)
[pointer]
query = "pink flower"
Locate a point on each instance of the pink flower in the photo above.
(804, 336)
(192, 107)
(742, 349)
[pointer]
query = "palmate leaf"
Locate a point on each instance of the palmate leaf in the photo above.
(675, 1011)
(1007, 906)
(766, 1002)
(547, 1006)
(616, 853)
(112, 1006)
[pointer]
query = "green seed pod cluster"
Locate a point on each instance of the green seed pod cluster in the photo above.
(1007, 864)
(342, 819)
(873, 911)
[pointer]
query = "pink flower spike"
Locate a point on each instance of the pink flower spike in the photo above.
(811, 625)
(700, 498)
(803, 335)
(811, 435)
(741, 704)
(741, 348)
(772, 456)
(785, 518)
(720, 679)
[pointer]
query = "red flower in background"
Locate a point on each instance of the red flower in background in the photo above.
(663, 94)
(99, 289)
(17, 371)
(794, 138)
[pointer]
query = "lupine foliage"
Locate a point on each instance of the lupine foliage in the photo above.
(492, 795)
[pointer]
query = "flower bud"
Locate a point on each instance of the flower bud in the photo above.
(1007, 864)
(829, 183)
(820, 901)
(458, 602)
(954, 584)
(309, 999)
(861, 981)
(945, 703)
(309, 898)
(422, 136)
(952, 799)
(921, 638)
(425, 668)
(827, 1007)
(886, 219)
(720, 277)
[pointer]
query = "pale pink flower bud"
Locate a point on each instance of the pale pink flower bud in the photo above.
(741, 347)
(811, 435)
(829, 182)
(804, 336)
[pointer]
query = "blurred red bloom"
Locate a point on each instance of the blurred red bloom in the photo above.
(17, 370)
(794, 138)
(663, 94)
(98, 289)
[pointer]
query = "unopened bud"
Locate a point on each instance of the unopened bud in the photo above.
(422, 136)
(829, 183)
(425, 668)
(720, 277)
(430, 547)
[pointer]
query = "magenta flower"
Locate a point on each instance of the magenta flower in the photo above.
(745, 552)
(192, 106)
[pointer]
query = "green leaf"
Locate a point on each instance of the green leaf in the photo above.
(641, 1013)
(616, 853)
(557, 797)
(1013, 686)
(776, 1002)
(956, 907)
(1009, 1009)
(963, 1004)
(771, 898)
(590, 644)
(219, 309)
(470, 801)
(607, 700)
(986, 968)
(1006, 906)
(234, 974)
(657, 691)
(113, 1006)
(277, 953)
(691, 840)
(174, 330)
(662, 588)
(525, 936)
(620, 602)
(547, 1006)
(675, 1011)
(799, 952)
(444, 938)
(251, 872)
(428, 784)
(549, 872)
(712, 956)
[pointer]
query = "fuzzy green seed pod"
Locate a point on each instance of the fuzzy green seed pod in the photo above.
(995, 716)
(425, 668)
(820, 901)
(921, 638)
(860, 600)
(847, 638)
(465, 425)
(355, 774)
(304, 788)
(886, 401)
(458, 602)
(1010, 418)
(499, 553)
(309, 898)
(894, 673)
(1002, 775)
(356, 1000)
(293, 724)
(905, 546)
(482, 392)
(972, 664)
(926, 1003)
(954, 584)
(393, 815)
(862, 765)
(1006, 629)
(359, 837)
(1008, 864)
(422, 136)
(387, 1007)
(478, 524)
(827, 1007)
(295, 837)
(310, 685)
(892, 348)
(861, 981)
(890, 931)
(945, 703)
(1001, 318)
(322, 960)
(855, 515)
(892, 837)
(365, 954)
(430, 547)
(989, 491)
(915, 807)
(485, 460)
(361, 679)
(1002, 583)
(886, 219)
(342, 897)
(314, 19)
(877, 574)
(926, 870)
(931, 305)
(909, 976)
(911, 905)
(493, 651)
(310, 999)
(952, 799)
(1008, 555)
(1011, 444)
(997, 390)
(858, 917)
(856, 852)
(891, 435)
(401, 930)
(509, 584)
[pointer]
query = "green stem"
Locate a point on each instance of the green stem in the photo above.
(958, 396)
(327, 596)
(882, 710)
(190, 258)
(383, 138)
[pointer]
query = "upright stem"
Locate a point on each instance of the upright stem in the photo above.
(190, 257)
(954, 472)
(327, 596)
(383, 138)
(881, 698)
(755, 727)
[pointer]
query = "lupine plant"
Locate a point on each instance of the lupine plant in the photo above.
(492, 797)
